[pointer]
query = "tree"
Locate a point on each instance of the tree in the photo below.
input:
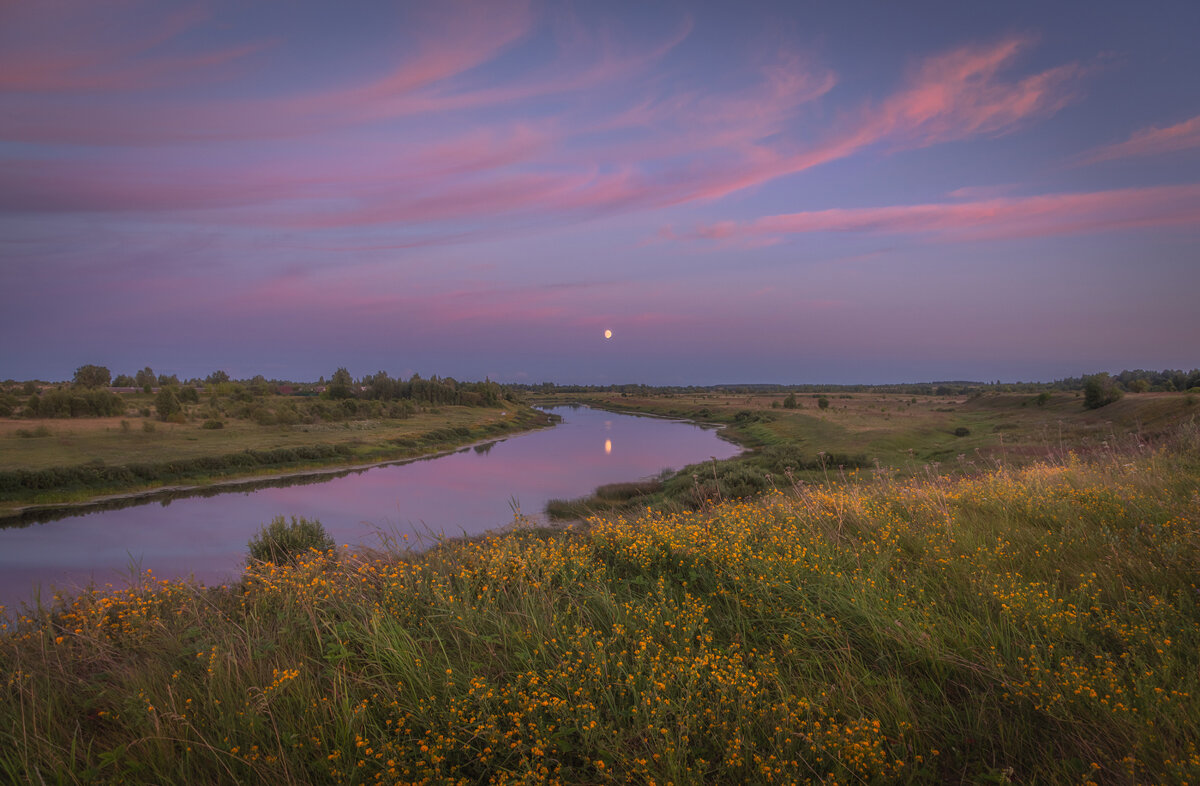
(167, 403)
(339, 386)
(216, 378)
(790, 402)
(145, 379)
(123, 381)
(1100, 390)
(823, 402)
(92, 376)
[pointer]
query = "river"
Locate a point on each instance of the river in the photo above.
(466, 493)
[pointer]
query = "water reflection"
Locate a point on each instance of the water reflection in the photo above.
(204, 534)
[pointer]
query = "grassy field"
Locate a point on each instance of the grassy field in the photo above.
(870, 432)
(888, 426)
(188, 453)
(1036, 624)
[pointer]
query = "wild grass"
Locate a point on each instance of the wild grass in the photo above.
(1035, 624)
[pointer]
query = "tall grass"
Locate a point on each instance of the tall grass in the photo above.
(1039, 625)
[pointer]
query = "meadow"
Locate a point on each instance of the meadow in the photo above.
(1026, 622)
(850, 433)
(53, 461)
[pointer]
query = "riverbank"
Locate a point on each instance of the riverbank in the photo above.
(822, 435)
(114, 464)
(1029, 624)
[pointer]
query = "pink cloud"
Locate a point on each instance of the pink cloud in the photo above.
(586, 61)
(948, 97)
(960, 94)
(90, 54)
(660, 151)
(951, 97)
(1019, 217)
(371, 172)
(1150, 141)
(455, 37)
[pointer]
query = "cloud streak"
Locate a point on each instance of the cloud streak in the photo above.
(1149, 142)
(991, 219)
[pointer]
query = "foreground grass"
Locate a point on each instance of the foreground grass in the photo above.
(1039, 624)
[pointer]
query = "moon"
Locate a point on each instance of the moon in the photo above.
(608, 334)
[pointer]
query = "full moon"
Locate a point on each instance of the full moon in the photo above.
(608, 334)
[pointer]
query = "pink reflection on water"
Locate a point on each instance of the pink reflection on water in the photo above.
(464, 493)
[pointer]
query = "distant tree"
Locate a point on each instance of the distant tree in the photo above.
(1100, 390)
(145, 379)
(216, 378)
(823, 402)
(790, 402)
(92, 376)
(168, 379)
(124, 381)
(1139, 386)
(189, 395)
(1043, 397)
(340, 385)
(166, 403)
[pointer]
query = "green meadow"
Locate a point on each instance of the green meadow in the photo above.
(871, 433)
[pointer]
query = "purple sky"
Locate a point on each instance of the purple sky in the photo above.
(753, 192)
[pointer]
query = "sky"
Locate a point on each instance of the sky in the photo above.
(790, 192)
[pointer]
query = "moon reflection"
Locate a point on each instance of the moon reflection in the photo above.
(608, 446)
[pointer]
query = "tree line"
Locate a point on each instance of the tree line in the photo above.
(90, 394)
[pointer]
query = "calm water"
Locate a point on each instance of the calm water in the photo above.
(465, 493)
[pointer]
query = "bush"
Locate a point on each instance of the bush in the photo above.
(823, 402)
(167, 403)
(962, 431)
(213, 424)
(281, 542)
(1100, 390)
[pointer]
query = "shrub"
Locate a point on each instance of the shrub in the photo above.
(1100, 390)
(167, 403)
(962, 431)
(281, 541)
(823, 402)
(213, 424)
(790, 402)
